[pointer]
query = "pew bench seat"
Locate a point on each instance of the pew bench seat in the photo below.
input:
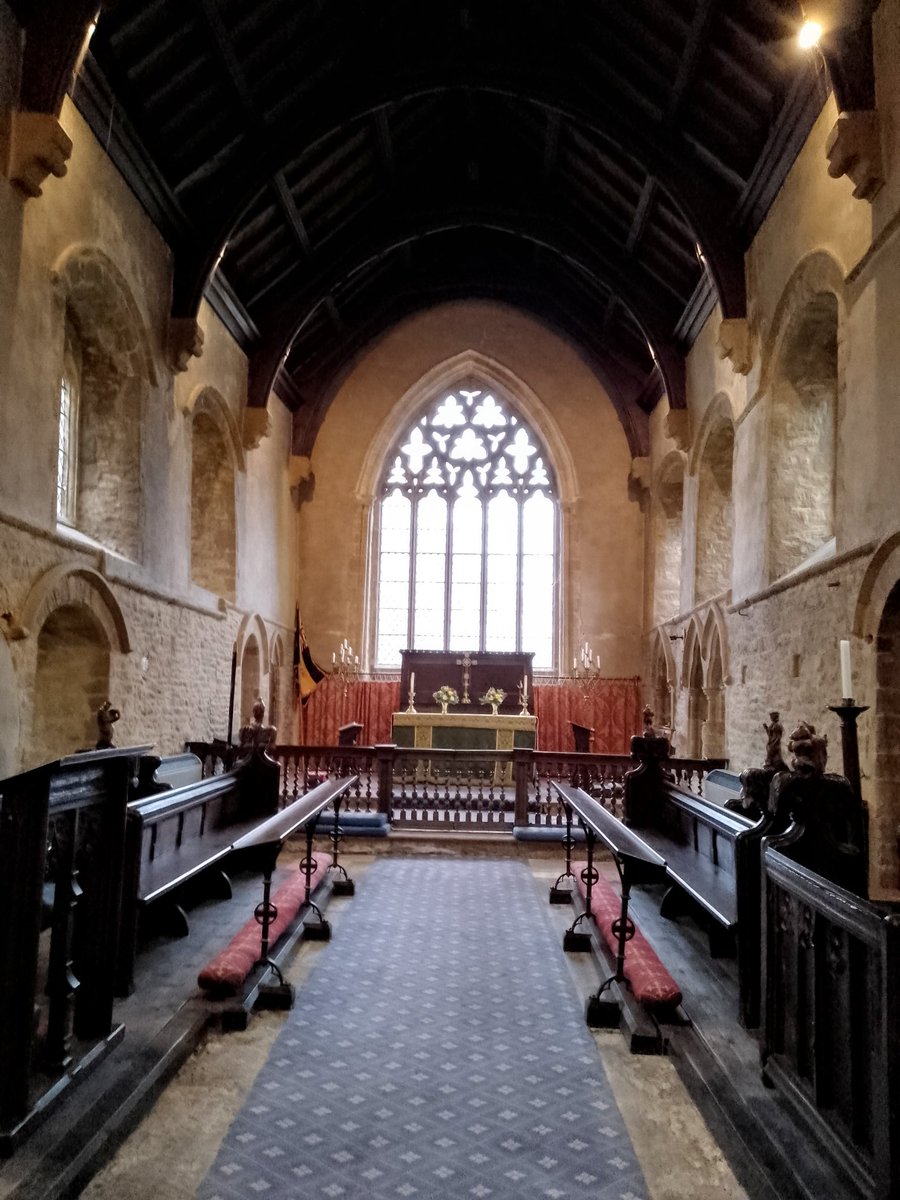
(708, 885)
(651, 983)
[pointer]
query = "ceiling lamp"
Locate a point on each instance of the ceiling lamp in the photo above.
(809, 35)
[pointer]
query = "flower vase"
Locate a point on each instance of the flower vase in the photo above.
(493, 710)
(443, 708)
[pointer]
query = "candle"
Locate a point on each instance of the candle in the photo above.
(524, 687)
(598, 662)
(574, 664)
(412, 681)
(333, 658)
(846, 675)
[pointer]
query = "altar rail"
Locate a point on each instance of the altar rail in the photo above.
(492, 790)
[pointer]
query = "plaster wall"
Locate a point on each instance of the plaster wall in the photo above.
(602, 528)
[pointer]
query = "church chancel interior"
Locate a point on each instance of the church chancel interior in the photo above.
(450, 599)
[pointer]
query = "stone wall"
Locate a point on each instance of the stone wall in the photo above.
(601, 581)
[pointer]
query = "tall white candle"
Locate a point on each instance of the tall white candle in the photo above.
(846, 674)
(524, 687)
(574, 664)
(412, 681)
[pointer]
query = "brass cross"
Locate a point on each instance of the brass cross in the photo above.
(465, 662)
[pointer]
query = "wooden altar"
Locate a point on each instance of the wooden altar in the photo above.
(470, 672)
(465, 731)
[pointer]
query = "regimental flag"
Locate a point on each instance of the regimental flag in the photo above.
(307, 673)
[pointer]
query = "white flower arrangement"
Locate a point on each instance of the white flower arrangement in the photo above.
(493, 695)
(446, 694)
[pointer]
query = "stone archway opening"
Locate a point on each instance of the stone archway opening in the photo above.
(250, 678)
(697, 706)
(714, 725)
(213, 542)
(275, 684)
(71, 682)
(662, 689)
(802, 436)
(715, 514)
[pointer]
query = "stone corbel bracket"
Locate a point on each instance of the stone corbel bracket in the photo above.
(185, 341)
(677, 427)
(854, 149)
(639, 482)
(255, 426)
(736, 344)
(36, 145)
(301, 480)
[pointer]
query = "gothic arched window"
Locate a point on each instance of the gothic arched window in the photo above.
(468, 520)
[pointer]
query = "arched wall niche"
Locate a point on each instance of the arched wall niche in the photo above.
(713, 740)
(276, 714)
(668, 528)
(73, 584)
(253, 656)
(693, 683)
(71, 682)
(801, 377)
(713, 465)
(116, 374)
(662, 680)
(215, 456)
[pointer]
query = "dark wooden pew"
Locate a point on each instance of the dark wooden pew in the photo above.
(183, 836)
(712, 859)
(163, 773)
(62, 843)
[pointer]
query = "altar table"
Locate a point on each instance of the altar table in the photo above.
(466, 731)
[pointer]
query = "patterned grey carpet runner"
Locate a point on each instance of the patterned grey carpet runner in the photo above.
(438, 1049)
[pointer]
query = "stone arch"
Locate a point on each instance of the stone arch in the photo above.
(448, 375)
(662, 680)
(276, 681)
(214, 461)
(252, 625)
(712, 465)
(668, 524)
(715, 678)
(73, 585)
(802, 373)
(71, 681)
(116, 373)
(208, 400)
(693, 681)
(252, 647)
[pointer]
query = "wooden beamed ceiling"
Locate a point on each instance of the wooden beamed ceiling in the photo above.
(339, 166)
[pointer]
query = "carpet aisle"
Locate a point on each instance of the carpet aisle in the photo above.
(438, 1049)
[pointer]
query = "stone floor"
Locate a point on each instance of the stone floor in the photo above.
(169, 1153)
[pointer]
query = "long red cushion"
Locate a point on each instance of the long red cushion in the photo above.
(651, 983)
(228, 970)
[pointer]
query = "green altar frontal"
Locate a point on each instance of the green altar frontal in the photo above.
(465, 731)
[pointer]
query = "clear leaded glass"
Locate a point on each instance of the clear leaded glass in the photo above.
(467, 533)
